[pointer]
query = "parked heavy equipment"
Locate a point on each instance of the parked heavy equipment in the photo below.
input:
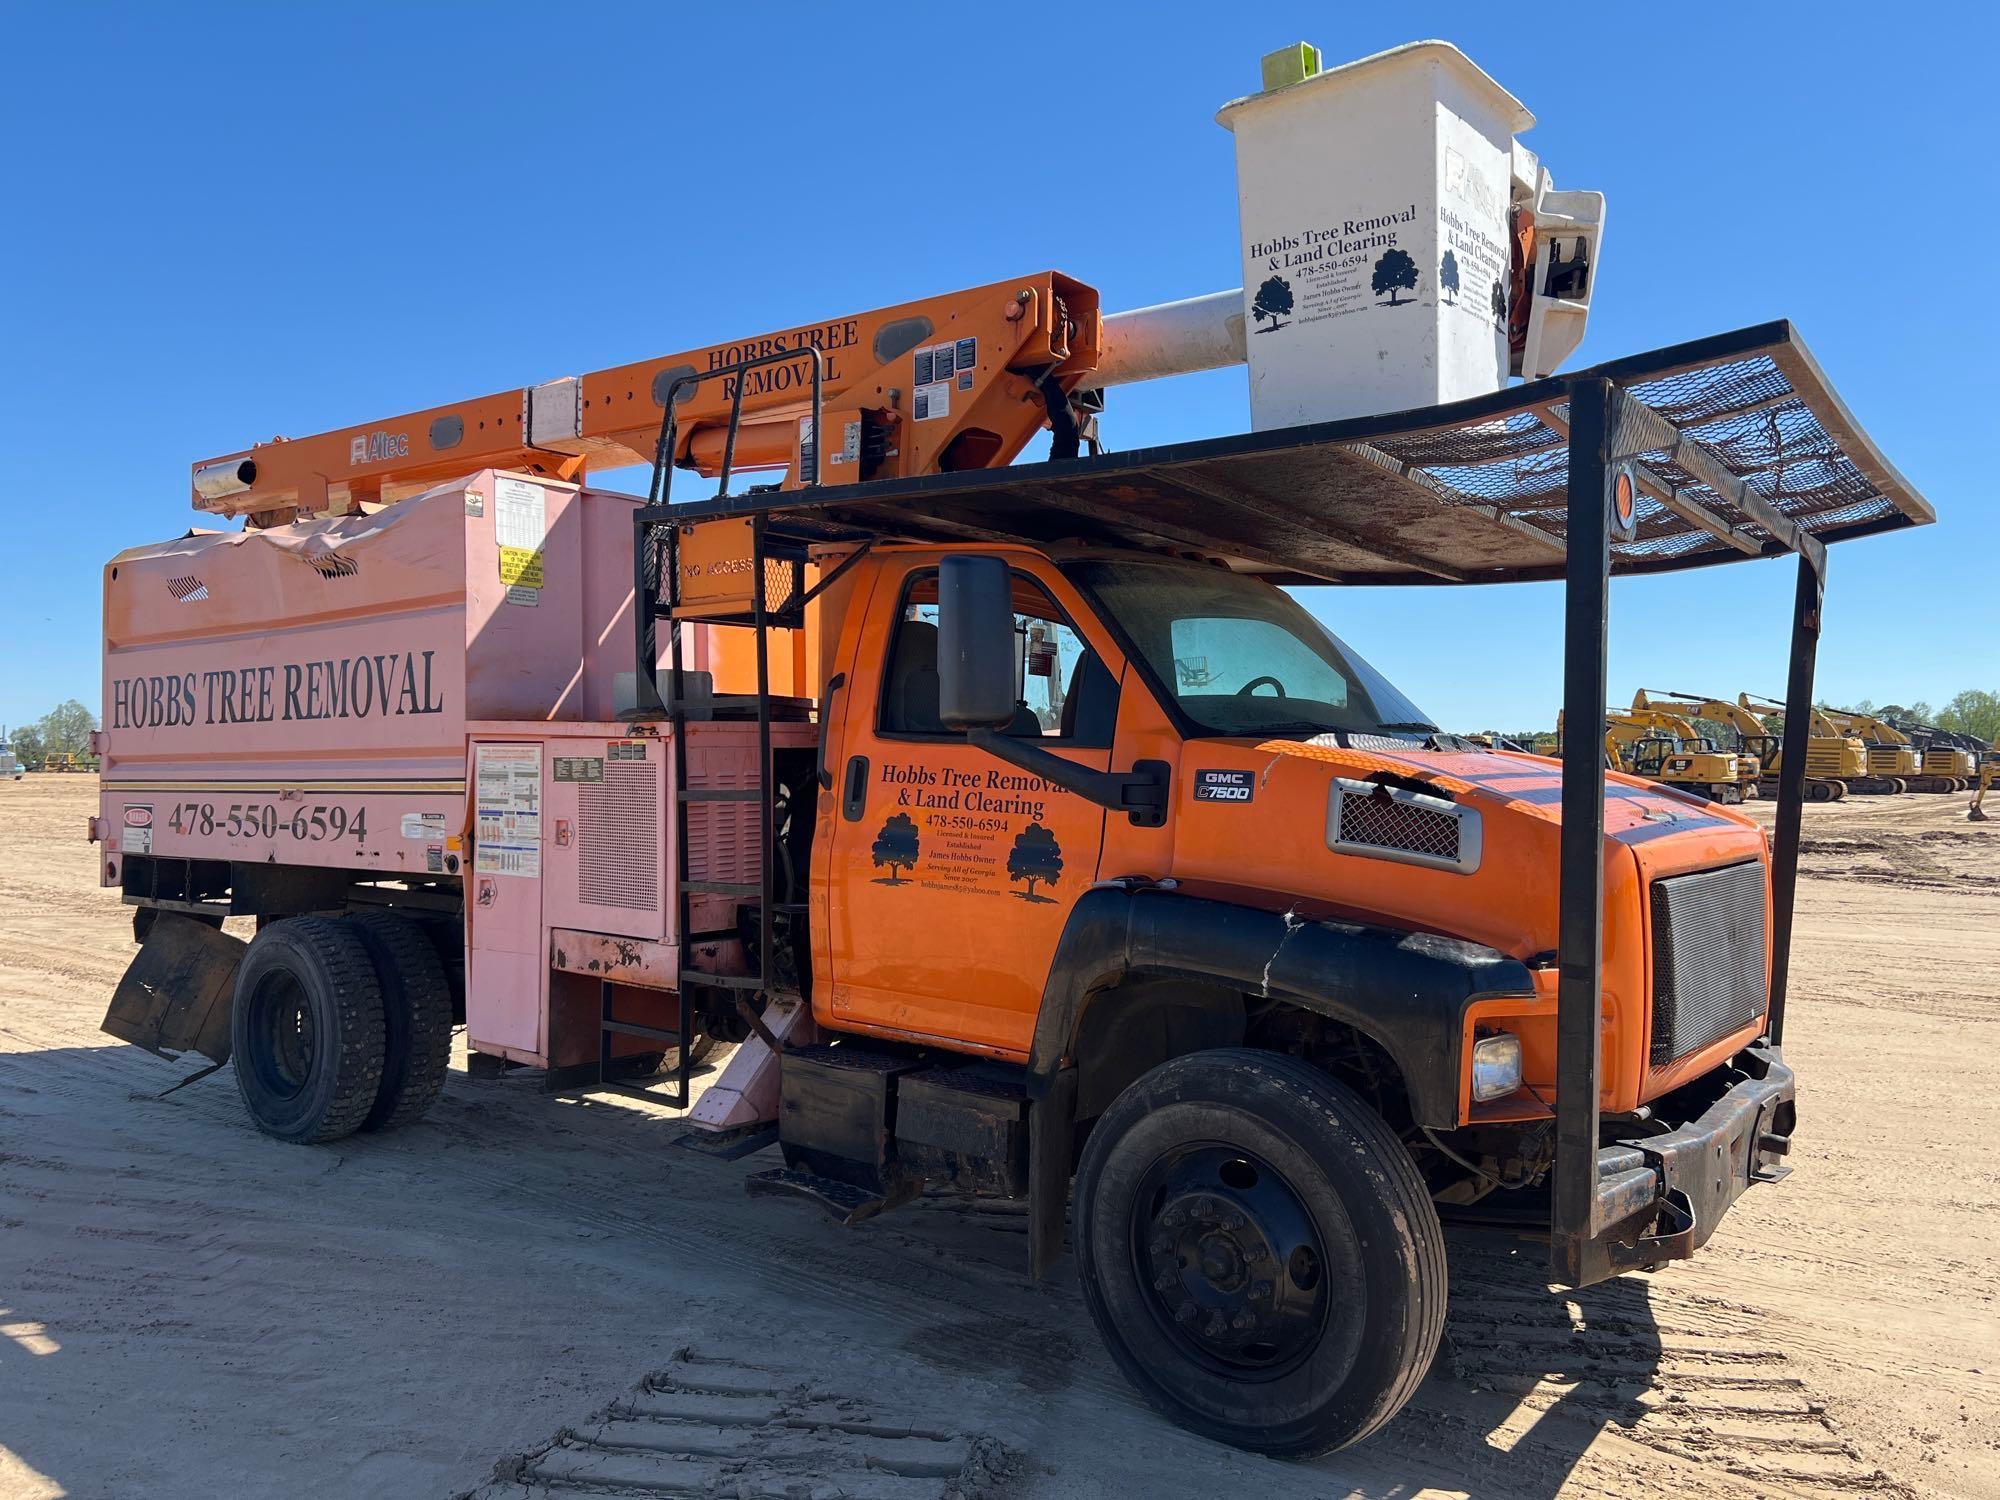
(1836, 762)
(1724, 736)
(1032, 840)
(1690, 760)
(11, 768)
(1736, 727)
(1646, 746)
(1893, 763)
(1948, 760)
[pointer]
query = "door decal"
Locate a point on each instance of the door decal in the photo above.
(896, 846)
(1036, 856)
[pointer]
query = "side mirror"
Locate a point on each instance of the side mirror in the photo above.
(975, 643)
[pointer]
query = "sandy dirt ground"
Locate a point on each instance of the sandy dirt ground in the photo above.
(524, 1295)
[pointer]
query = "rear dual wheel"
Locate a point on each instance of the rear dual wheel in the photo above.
(1259, 1252)
(339, 1025)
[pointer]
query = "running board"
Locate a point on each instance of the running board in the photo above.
(845, 1202)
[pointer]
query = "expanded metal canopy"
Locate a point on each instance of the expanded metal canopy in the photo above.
(1752, 454)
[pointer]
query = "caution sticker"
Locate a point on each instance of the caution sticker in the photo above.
(520, 567)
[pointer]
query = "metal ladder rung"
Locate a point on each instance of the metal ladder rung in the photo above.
(633, 1028)
(722, 887)
(721, 981)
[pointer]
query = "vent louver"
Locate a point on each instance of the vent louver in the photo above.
(618, 838)
(1391, 822)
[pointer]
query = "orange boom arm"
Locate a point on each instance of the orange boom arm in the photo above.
(961, 381)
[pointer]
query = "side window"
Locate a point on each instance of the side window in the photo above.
(1063, 692)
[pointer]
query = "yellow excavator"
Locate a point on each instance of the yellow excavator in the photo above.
(1637, 747)
(1950, 760)
(1678, 718)
(1892, 754)
(1836, 762)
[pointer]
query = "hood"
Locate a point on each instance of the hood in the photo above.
(1635, 811)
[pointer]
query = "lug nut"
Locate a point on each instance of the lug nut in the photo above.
(1231, 1219)
(1162, 1243)
(1165, 1281)
(1185, 1313)
(1261, 1291)
(1242, 1321)
(1257, 1254)
(1216, 1325)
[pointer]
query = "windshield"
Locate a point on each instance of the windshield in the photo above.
(1241, 657)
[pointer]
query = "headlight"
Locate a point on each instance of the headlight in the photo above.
(1496, 1066)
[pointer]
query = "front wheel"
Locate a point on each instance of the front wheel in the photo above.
(1259, 1252)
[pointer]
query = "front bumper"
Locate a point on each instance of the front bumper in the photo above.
(1659, 1197)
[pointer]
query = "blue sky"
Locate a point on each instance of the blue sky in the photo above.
(229, 222)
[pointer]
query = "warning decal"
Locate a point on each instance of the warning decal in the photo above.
(933, 401)
(507, 782)
(935, 365)
(519, 566)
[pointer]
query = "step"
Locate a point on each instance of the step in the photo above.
(842, 1200)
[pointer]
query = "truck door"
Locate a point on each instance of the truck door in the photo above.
(950, 873)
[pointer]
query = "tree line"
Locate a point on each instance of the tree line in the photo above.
(63, 730)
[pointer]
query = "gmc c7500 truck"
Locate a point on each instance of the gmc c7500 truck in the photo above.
(1023, 831)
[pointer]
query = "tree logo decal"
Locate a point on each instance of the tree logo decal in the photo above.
(1273, 301)
(896, 847)
(1395, 271)
(1500, 306)
(1448, 277)
(1035, 857)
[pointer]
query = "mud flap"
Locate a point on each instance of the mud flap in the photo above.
(175, 996)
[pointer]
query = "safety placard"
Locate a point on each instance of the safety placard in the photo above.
(520, 568)
(520, 527)
(520, 515)
(932, 401)
(507, 782)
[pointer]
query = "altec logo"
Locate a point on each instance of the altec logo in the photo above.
(374, 447)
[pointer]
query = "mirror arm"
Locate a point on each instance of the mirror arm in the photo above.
(1140, 793)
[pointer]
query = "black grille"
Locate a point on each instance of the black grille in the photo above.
(1382, 822)
(1708, 957)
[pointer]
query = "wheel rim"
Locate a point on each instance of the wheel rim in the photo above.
(1232, 1266)
(285, 1040)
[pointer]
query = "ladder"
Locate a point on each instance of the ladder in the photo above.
(778, 600)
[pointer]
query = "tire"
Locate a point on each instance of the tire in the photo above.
(1217, 1163)
(416, 1017)
(306, 1030)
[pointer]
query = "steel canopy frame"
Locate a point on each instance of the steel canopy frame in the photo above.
(1376, 500)
(1609, 432)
